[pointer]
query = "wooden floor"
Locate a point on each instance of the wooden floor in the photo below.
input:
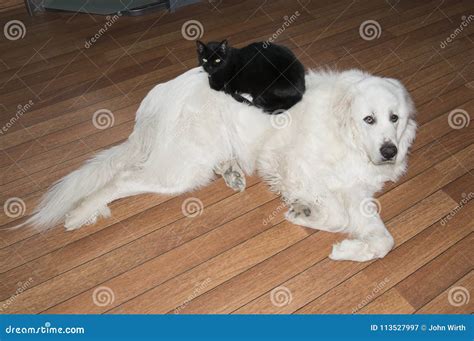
(239, 255)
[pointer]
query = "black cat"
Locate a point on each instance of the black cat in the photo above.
(270, 73)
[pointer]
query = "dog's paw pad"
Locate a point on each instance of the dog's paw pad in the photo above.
(298, 213)
(295, 217)
(235, 180)
(291, 215)
(238, 185)
(298, 209)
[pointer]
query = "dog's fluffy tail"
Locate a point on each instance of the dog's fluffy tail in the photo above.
(71, 189)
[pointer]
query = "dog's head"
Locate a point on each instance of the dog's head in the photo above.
(382, 119)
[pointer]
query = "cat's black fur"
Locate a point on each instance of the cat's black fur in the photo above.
(270, 73)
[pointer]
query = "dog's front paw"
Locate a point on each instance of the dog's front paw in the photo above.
(352, 249)
(362, 250)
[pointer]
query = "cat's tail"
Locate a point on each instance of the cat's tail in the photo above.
(70, 190)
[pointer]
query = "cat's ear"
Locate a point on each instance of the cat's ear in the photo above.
(200, 46)
(223, 46)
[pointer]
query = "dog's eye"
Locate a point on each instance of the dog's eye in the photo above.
(217, 60)
(393, 118)
(369, 119)
(204, 60)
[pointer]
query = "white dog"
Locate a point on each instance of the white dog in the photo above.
(349, 135)
(341, 145)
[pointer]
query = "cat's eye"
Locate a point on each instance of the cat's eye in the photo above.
(393, 118)
(217, 60)
(369, 119)
(204, 60)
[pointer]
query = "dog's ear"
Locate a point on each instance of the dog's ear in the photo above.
(407, 105)
(406, 132)
(200, 46)
(407, 136)
(345, 96)
(342, 109)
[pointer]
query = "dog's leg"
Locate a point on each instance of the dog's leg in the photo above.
(330, 217)
(95, 205)
(370, 237)
(233, 175)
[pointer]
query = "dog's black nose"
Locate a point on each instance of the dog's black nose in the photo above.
(388, 150)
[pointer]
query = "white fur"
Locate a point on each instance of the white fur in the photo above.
(183, 131)
(323, 160)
